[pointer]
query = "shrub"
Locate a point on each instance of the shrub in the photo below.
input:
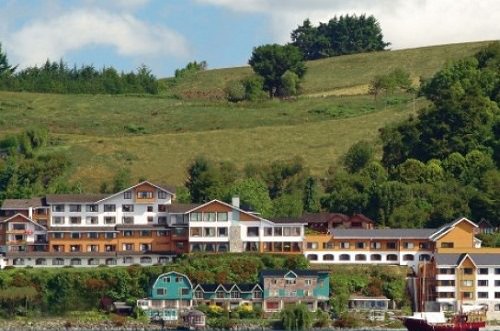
(235, 91)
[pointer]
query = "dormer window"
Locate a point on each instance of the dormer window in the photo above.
(162, 195)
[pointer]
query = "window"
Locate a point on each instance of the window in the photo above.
(344, 257)
(162, 208)
(360, 245)
(75, 208)
(253, 231)
(222, 232)
(257, 294)
(160, 291)
(308, 281)
(57, 220)
(482, 295)
(446, 271)
(344, 244)
(467, 282)
(447, 245)
(109, 220)
(75, 220)
(360, 257)
(497, 307)
(18, 226)
(446, 283)
(467, 295)
(145, 233)
(497, 271)
(145, 247)
(92, 248)
(424, 245)
(497, 283)
(497, 295)
(110, 235)
(198, 294)
(128, 247)
(109, 208)
(376, 257)
(446, 295)
(41, 261)
(144, 195)
(209, 217)
(312, 245)
(468, 271)
(375, 245)
(268, 232)
(58, 248)
(110, 248)
(149, 209)
(111, 261)
(93, 235)
(220, 295)
(235, 294)
(146, 260)
(184, 291)
(75, 262)
(222, 217)
(128, 233)
(328, 246)
(127, 195)
(58, 208)
(209, 232)
(75, 248)
(75, 235)
(162, 220)
(57, 235)
(278, 232)
(58, 261)
(195, 232)
(128, 219)
(195, 217)
(151, 219)
(482, 282)
(89, 220)
(392, 257)
(127, 208)
(128, 260)
(162, 195)
(91, 208)
(408, 245)
(482, 271)
(392, 245)
(408, 257)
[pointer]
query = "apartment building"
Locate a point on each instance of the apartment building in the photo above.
(228, 296)
(139, 225)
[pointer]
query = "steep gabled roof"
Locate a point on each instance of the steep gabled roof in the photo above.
(25, 218)
(138, 184)
(76, 198)
(283, 272)
(448, 227)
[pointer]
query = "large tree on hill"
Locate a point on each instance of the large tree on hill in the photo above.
(272, 62)
(341, 35)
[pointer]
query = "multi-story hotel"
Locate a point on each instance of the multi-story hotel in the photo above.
(141, 224)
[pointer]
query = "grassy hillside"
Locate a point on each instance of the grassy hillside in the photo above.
(348, 74)
(157, 137)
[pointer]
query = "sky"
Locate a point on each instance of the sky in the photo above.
(167, 34)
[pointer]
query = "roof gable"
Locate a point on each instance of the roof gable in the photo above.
(465, 258)
(290, 274)
(170, 273)
(448, 227)
(25, 218)
(257, 218)
(136, 185)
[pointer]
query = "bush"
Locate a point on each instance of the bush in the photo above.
(235, 91)
(118, 320)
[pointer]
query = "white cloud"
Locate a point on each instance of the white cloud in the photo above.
(405, 23)
(52, 38)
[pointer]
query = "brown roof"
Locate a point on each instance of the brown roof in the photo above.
(81, 229)
(78, 198)
(287, 220)
(23, 203)
(181, 207)
(166, 187)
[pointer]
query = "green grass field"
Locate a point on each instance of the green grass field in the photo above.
(157, 136)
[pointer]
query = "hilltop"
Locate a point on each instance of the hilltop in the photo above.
(157, 136)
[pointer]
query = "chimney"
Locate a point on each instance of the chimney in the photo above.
(30, 212)
(235, 201)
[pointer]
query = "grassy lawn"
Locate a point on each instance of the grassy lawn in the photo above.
(338, 72)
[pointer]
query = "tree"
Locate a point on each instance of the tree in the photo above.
(5, 68)
(358, 156)
(341, 35)
(271, 62)
(253, 195)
